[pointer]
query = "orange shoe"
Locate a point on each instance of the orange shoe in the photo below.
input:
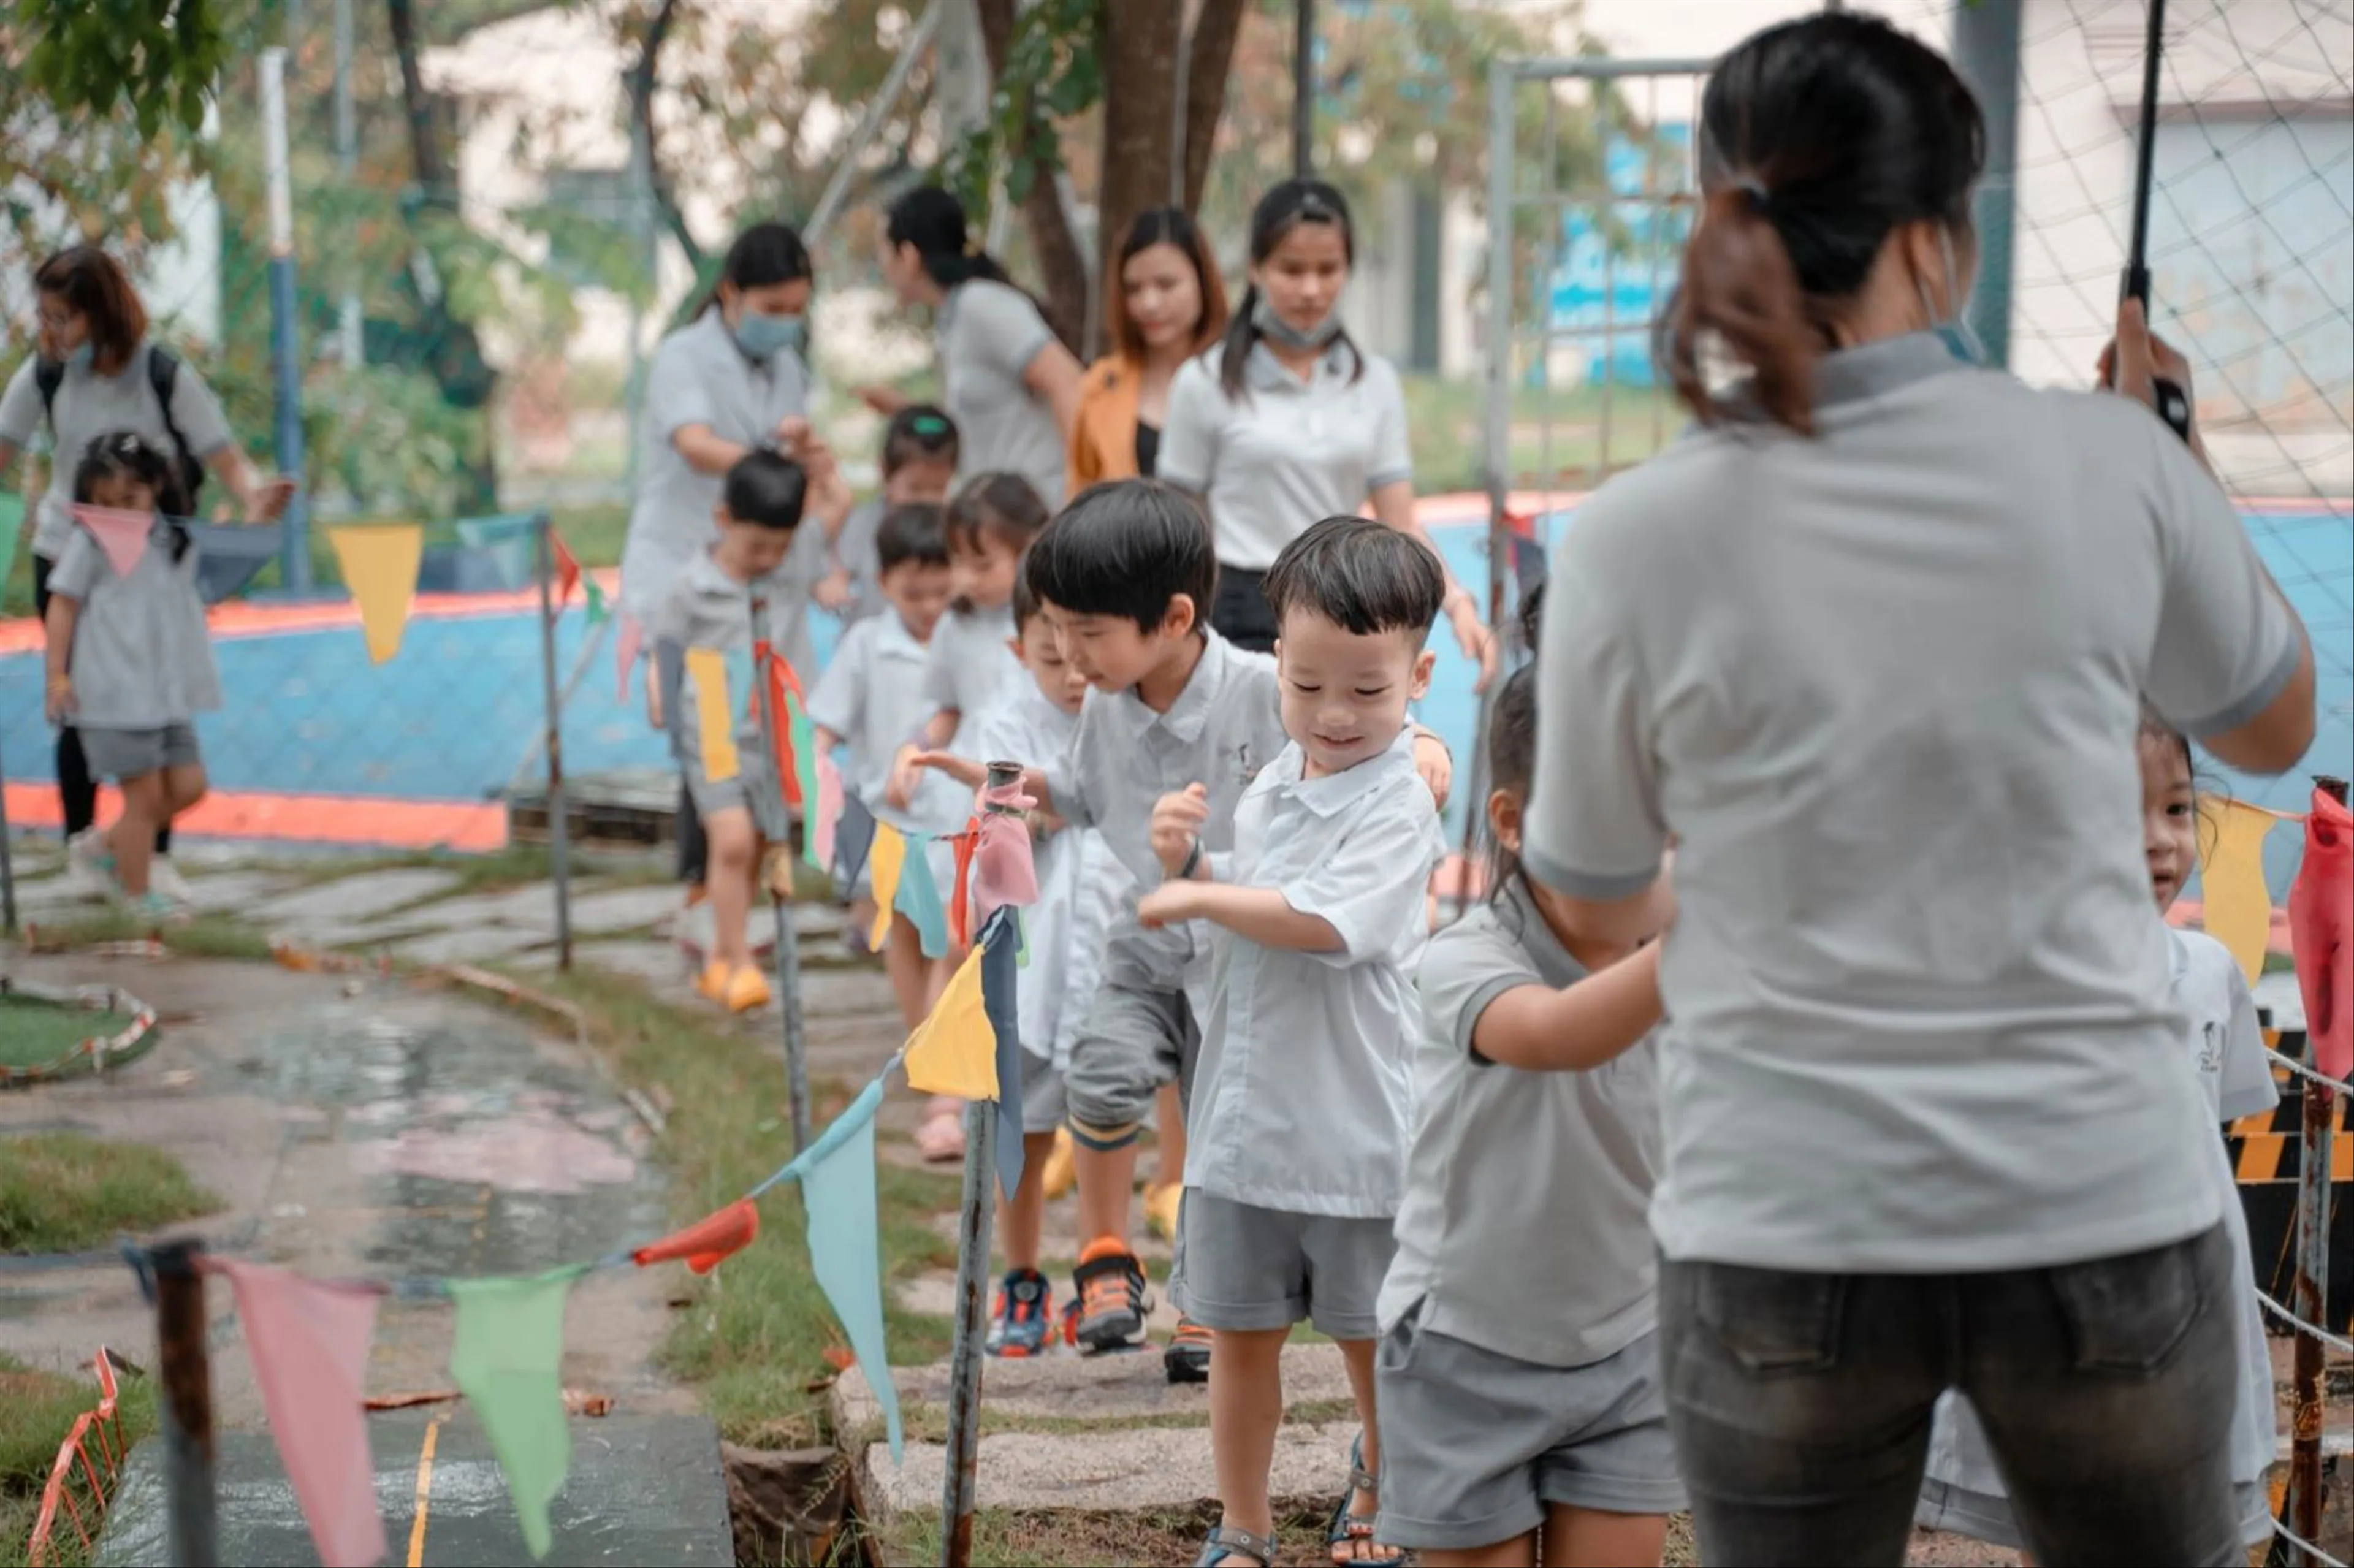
(1113, 1298)
(1062, 1171)
(738, 989)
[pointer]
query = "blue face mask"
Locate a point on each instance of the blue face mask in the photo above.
(1960, 338)
(761, 335)
(79, 355)
(1271, 325)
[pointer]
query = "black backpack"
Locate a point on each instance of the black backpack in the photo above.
(163, 377)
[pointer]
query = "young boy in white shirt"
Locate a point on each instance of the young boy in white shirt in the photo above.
(1300, 1109)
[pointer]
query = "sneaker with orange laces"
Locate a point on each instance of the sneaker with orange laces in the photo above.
(1187, 1359)
(1113, 1299)
(738, 988)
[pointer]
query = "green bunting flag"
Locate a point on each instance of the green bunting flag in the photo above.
(506, 1360)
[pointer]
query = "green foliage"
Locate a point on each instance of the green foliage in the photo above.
(160, 58)
(1053, 71)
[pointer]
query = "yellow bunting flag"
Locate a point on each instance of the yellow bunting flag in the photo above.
(2238, 909)
(882, 863)
(954, 1050)
(713, 712)
(379, 566)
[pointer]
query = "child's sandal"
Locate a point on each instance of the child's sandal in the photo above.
(1224, 1542)
(1352, 1529)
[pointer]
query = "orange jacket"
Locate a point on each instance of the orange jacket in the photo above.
(1103, 437)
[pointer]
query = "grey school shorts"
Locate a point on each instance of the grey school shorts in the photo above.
(1043, 1101)
(1476, 1445)
(1240, 1267)
(1133, 1042)
(119, 754)
(726, 794)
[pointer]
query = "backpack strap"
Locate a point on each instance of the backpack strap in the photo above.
(164, 375)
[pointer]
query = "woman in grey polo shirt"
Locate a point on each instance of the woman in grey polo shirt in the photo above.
(1007, 381)
(1872, 644)
(1288, 421)
(96, 373)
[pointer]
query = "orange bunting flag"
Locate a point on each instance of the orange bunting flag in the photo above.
(567, 568)
(883, 862)
(954, 1050)
(708, 1243)
(379, 564)
(783, 690)
(2237, 908)
(960, 903)
(706, 668)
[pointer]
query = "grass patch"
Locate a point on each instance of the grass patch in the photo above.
(205, 937)
(36, 1033)
(755, 1335)
(37, 1410)
(62, 1192)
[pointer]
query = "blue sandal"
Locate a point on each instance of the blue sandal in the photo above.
(1224, 1542)
(1351, 1529)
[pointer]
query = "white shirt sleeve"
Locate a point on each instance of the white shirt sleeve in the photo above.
(676, 394)
(1371, 888)
(999, 326)
(1066, 788)
(2247, 1087)
(2226, 642)
(1392, 456)
(1592, 828)
(942, 663)
(81, 568)
(20, 408)
(834, 703)
(1189, 434)
(197, 412)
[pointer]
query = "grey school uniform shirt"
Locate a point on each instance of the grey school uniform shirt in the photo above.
(988, 332)
(141, 657)
(707, 608)
(1523, 1187)
(1223, 729)
(1884, 683)
(872, 695)
(972, 665)
(90, 406)
(1302, 1102)
(700, 377)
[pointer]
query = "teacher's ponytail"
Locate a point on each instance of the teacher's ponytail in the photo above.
(933, 221)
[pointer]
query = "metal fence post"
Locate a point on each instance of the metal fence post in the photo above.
(184, 1368)
(7, 865)
(559, 826)
(962, 1459)
(776, 825)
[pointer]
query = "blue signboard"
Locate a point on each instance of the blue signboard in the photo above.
(1617, 268)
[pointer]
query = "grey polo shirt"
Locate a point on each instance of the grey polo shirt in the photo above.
(987, 333)
(1523, 1187)
(141, 656)
(90, 406)
(872, 695)
(1223, 729)
(1295, 452)
(972, 666)
(1884, 685)
(700, 377)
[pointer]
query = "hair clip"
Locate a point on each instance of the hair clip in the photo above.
(1754, 191)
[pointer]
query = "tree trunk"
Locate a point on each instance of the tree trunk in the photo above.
(1140, 112)
(1208, 64)
(644, 74)
(1061, 266)
(425, 158)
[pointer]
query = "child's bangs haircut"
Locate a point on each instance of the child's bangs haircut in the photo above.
(920, 433)
(1362, 577)
(1126, 549)
(911, 532)
(1000, 506)
(767, 488)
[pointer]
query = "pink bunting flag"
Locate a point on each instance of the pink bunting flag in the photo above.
(1004, 872)
(2321, 932)
(827, 817)
(628, 638)
(309, 1342)
(122, 534)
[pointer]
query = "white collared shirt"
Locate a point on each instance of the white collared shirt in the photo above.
(972, 666)
(1303, 1099)
(872, 695)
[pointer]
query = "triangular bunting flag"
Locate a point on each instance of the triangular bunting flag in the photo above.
(2237, 909)
(309, 1342)
(567, 566)
(838, 1192)
(961, 896)
(999, 998)
(596, 610)
(954, 1050)
(819, 836)
(708, 1243)
(782, 690)
(231, 555)
(715, 714)
(1005, 871)
(918, 898)
(628, 638)
(808, 783)
(2321, 926)
(379, 566)
(883, 865)
(506, 1360)
(122, 534)
(839, 1131)
(853, 840)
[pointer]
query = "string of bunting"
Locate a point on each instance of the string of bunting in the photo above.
(309, 1338)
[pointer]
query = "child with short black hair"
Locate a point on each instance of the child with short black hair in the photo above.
(872, 698)
(130, 663)
(920, 449)
(713, 603)
(1299, 1109)
(1529, 1180)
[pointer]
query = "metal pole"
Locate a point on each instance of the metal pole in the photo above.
(184, 1368)
(769, 816)
(285, 354)
(837, 185)
(559, 828)
(963, 1456)
(353, 341)
(2308, 1293)
(589, 646)
(1303, 90)
(7, 865)
(1986, 51)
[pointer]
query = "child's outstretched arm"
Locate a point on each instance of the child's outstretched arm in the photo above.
(1258, 914)
(64, 614)
(1575, 1028)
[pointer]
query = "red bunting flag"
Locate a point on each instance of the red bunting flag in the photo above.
(567, 568)
(783, 689)
(708, 1243)
(961, 903)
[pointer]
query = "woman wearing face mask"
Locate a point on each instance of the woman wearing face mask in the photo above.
(1165, 303)
(98, 373)
(1007, 381)
(1288, 420)
(730, 381)
(1873, 645)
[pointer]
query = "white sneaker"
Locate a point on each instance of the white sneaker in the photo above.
(164, 877)
(89, 867)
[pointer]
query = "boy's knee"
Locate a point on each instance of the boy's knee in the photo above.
(730, 835)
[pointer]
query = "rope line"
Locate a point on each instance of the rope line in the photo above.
(2335, 1342)
(2302, 1071)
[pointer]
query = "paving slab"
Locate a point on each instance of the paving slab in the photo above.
(355, 898)
(468, 945)
(618, 909)
(235, 892)
(1123, 1471)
